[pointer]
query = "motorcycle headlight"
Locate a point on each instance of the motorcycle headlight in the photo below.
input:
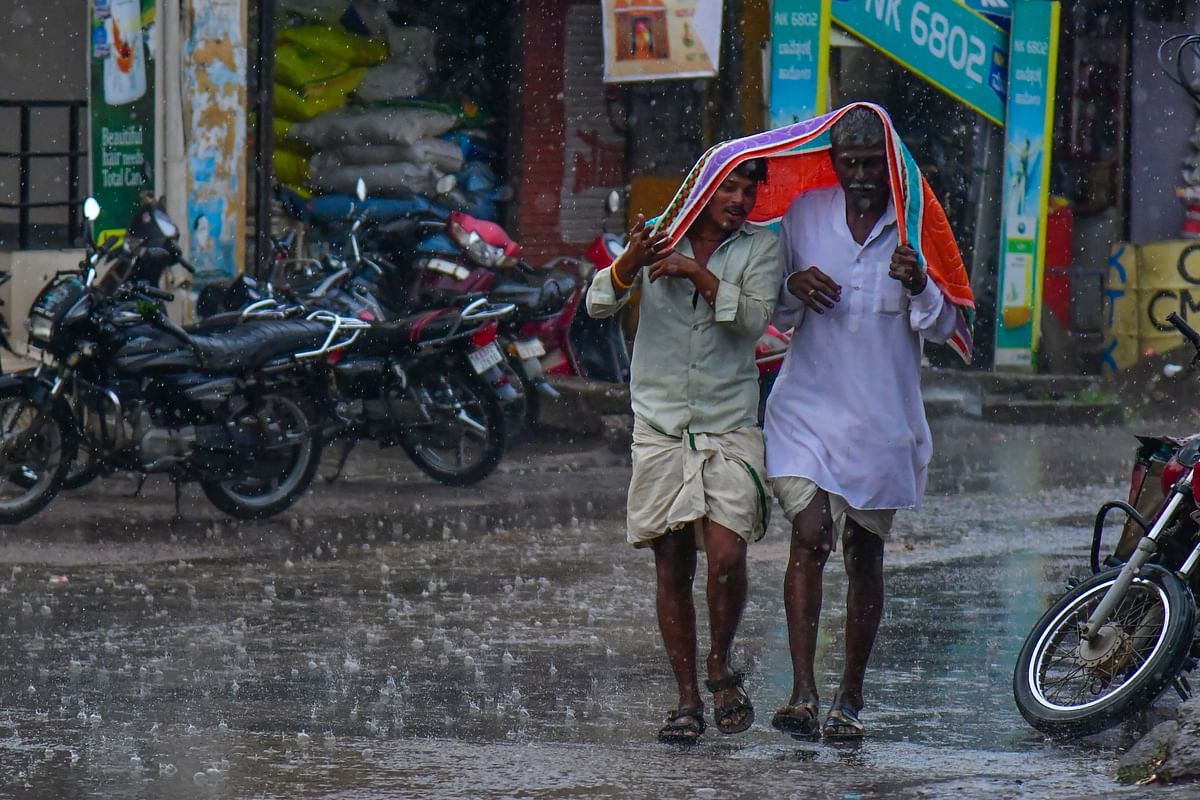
(480, 251)
(40, 328)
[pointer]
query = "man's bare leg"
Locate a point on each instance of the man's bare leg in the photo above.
(812, 541)
(726, 591)
(675, 565)
(863, 554)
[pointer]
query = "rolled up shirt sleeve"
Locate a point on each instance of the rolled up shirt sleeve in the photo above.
(747, 307)
(602, 300)
(931, 315)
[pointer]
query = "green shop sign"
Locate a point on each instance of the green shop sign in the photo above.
(121, 105)
(945, 43)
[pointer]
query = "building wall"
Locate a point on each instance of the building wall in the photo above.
(44, 58)
(568, 154)
(1162, 121)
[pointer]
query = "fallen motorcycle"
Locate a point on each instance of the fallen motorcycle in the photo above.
(1115, 642)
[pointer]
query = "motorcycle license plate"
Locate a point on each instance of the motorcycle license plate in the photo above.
(485, 358)
(530, 348)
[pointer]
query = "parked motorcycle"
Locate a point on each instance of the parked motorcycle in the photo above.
(432, 382)
(1113, 643)
(141, 394)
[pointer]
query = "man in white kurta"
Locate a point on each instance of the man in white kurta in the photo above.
(847, 440)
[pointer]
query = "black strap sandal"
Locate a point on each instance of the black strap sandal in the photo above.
(684, 726)
(843, 723)
(799, 721)
(740, 705)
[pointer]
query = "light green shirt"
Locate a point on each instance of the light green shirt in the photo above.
(693, 364)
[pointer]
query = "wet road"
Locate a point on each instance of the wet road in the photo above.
(368, 663)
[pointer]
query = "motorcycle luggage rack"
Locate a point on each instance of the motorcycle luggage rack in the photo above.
(336, 325)
(470, 314)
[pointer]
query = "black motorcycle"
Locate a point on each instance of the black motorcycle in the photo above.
(434, 382)
(139, 393)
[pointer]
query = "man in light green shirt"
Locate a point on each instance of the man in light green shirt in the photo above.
(698, 455)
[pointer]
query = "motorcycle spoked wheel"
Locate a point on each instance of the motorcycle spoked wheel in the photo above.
(467, 436)
(82, 470)
(30, 480)
(276, 475)
(1063, 692)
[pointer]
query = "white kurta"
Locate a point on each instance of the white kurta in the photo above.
(846, 410)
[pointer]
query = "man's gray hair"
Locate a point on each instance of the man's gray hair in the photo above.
(858, 127)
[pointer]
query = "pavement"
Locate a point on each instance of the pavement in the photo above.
(393, 638)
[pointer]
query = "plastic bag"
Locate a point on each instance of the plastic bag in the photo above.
(377, 126)
(391, 81)
(316, 98)
(334, 42)
(398, 178)
(296, 67)
(291, 167)
(443, 155)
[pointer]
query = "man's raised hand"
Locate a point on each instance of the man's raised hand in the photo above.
(817, 290)
(906, 268)
(673, 265)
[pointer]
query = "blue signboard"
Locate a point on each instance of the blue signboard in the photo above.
(998, 11)
(945, 43)
(1027, 137)
(799, 60)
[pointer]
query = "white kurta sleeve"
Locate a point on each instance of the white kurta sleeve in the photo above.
(789, 309)
(931, 315)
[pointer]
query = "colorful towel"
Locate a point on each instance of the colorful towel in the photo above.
(799, 163)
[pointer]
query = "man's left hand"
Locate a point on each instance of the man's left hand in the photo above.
(674, 265)
(906, 269)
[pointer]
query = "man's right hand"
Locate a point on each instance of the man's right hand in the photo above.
(817, 290)
(641, 251)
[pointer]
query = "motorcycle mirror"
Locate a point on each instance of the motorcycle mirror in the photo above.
(447, 184)
(91, 209)
(360, 190)
(612, 203)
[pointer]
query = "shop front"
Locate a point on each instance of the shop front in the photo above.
(1021, 127)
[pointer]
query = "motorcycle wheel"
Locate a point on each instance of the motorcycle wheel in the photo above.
(82, 470)
(29, 481)
(1062, 692)
(277, 474)
(466, 437)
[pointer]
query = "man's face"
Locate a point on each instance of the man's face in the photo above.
(863, 174)
(732, 202)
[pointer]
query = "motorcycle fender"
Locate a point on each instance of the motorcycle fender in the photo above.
(12, 380)
(39, 391)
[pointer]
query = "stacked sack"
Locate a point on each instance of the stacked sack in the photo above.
(316, 69)
(350, 106)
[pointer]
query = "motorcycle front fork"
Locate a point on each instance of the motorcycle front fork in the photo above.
(1145, 549)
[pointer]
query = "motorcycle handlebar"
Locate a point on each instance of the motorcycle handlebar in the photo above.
(158, 294)
(1183, 327)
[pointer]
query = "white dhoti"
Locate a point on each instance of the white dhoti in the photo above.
(678, 480)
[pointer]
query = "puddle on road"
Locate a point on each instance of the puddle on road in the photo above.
(529, 666)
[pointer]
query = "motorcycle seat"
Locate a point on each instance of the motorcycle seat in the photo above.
(390, 337)
(543, 293)
(255, 343)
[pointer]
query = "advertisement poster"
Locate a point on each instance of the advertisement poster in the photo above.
(121, 108)
(1027, 138)
(647, 40)
(215, 125)
(799, 60)
(947, 44)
